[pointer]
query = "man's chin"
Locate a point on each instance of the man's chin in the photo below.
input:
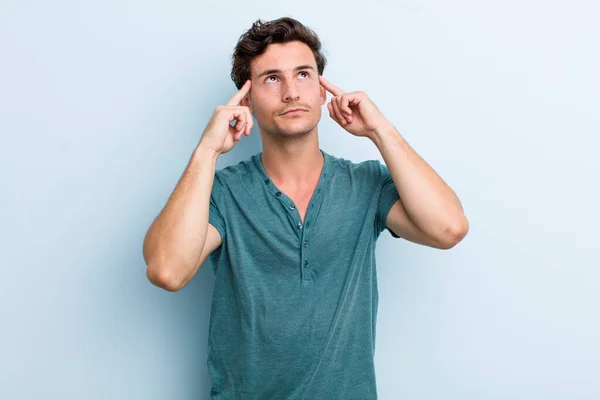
(293, 125)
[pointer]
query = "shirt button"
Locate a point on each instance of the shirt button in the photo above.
(267, 181)
(299, 225)
(278, 194)
(292, 206)
(305, 243)
(305, 264)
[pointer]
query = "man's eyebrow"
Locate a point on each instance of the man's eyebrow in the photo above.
(278, 71)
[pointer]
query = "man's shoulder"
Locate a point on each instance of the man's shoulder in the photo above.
(247, 170)
(232, 172)
(365, 168)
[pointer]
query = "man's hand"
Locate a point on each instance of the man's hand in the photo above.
(219, 135)
(355, 112)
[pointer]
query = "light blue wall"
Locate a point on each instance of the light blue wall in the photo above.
(102, 104)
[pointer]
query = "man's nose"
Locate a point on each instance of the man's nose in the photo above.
(290, 92)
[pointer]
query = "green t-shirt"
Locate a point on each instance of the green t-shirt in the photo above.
(294, 306)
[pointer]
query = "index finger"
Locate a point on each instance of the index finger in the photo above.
(336, 91)
(237, 98)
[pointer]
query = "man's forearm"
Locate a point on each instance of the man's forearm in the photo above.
(430, 203)
(174, 241)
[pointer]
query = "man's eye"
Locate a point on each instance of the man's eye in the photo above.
(301, 72)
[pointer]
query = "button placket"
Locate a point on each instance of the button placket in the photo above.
(300, 227)
(304, 271)
(296, 216)
(291, 209)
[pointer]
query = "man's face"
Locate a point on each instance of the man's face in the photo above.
(285, 77)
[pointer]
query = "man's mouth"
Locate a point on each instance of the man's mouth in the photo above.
(294, 111)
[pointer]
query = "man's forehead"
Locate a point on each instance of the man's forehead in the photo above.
(285, 58)
(274, 70)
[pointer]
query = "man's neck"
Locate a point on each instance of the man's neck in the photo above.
(294, 164)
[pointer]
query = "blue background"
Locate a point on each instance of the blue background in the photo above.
(102, 103)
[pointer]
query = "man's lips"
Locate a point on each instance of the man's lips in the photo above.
(294, 111)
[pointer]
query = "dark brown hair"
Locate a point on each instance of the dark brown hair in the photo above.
(254, 42)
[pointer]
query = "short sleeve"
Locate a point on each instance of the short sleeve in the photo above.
(388, 195)
(215, 217)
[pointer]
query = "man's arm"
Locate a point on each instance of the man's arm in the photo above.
(180, 238)
(174, 244)
(428, 212)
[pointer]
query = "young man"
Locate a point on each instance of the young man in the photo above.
(291, 231)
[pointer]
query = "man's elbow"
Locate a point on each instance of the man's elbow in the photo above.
(454, 234)
(162, 278)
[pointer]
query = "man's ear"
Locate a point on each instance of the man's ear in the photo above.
(323, 94)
